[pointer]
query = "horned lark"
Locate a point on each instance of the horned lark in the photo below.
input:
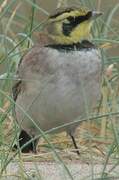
(60, 76)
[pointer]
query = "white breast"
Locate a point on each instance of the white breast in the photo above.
(67, 91)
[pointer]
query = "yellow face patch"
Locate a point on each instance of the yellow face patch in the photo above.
(80, 33)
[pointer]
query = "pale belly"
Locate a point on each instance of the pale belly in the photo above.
(67, 94)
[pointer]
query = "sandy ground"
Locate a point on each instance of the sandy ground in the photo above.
(55, 171)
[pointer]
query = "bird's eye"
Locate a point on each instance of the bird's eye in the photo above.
(71, 19)
(66, 27)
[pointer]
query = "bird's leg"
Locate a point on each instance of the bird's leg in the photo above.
(35, 142)
(23, 139)
(74, 143)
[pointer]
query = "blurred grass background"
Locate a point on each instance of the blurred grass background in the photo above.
(20, 24)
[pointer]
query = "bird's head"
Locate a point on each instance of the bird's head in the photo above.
(71, 25)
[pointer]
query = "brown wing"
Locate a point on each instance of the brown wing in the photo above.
(16, 89)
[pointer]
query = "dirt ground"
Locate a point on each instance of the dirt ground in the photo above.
(55, 171)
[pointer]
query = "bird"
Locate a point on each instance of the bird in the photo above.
(59, 77)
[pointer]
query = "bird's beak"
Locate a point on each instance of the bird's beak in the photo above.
(96, 14)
